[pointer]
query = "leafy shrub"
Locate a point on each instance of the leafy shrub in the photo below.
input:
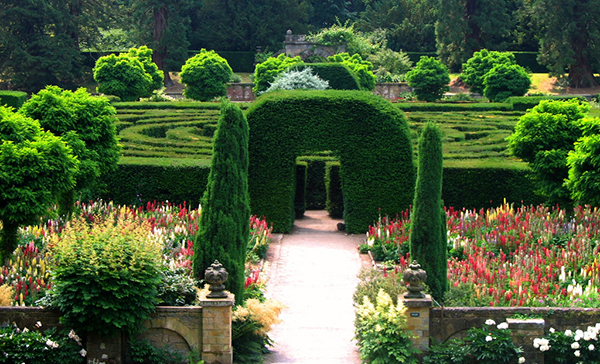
(364, 69)
(106, 275)
(142, 351)
(389, 65)
(475, 69)
(265, 72)
(381, 332)
(205, 76)
(129, 75)
(294, 79)
(583, 163)
(176, 288)
(504, 81)
(371, 281)
(429, 78)
(315, 58)
(570, 347)
(29, 346)
(489, 344)
(235, 78)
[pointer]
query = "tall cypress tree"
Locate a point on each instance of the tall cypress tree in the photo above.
(428, 238)
(225, 220)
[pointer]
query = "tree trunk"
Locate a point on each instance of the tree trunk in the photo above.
(473, 39)
(580, 73)
(160, 53)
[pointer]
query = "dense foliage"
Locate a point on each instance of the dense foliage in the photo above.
(129, 75)
(293, 79)
(224, 226)
(32, 346)
(35, 167)
(338, 75)
(205, 76)
(584, 165)
(504, 81)
(369, 135)
(429, 78)
(428, 233)
(266, 71)
(362, 68)
(475, 69)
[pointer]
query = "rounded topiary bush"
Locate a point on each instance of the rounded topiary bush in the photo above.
(106, 275)
(475, 69)
(429, 78)
(504, 81)
(205, 76)
(298, 80)
(266, 72)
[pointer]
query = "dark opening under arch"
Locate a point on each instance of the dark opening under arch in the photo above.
(368, 134)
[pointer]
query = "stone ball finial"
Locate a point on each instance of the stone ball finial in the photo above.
(414, 276)
(289, 32)
(215, 276)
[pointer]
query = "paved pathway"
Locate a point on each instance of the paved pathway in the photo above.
(313, 271)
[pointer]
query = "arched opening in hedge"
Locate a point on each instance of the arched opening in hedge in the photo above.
(368, 134)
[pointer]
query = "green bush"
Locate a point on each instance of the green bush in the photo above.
(475, 69)
(339, 75)
(48, 347)
(504, 81)
(176, 288)
(293, 79)
(265, 72)
(205, 76)
(300, 195)
(524, 103)
(335, 196)
(583, 163)
(371, 281)
(129, 75)
(362, 68)
(142, 351)
(13, 98)
(381, 332)
(429, 78)
(316, 194)
(368, 133)
(106, 275)
(389, 64)
(440, 107)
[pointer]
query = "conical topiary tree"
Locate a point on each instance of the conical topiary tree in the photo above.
(225, 220)
(428, 238)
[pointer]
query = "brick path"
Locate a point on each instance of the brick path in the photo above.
(313, 271)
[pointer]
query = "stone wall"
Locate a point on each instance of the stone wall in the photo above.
(391, 91)
(240, 92)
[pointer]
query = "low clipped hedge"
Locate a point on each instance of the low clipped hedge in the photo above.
(523, 103)
(300, 193)
(369, 134)
(439, 106)
(137, 183)
(13, 98)
(339, 76)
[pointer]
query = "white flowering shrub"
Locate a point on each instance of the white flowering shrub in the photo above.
(298, 80)
(490, 344)
(381, 331)
(570, 347)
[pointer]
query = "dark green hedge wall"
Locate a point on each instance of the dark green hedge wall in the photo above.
(340, 76)
(487, 187)
(523, 103)
(13, 98)
(369, 135)
(335, 197)
(138, 184)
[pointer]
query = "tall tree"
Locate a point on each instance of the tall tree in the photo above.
(427, 237)
(225, 220)
(466, 26)
(325, 13)
(569, 34)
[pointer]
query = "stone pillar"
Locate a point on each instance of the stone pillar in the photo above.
(417, 318)
(523, 331)
(103, 349)
(216, 330)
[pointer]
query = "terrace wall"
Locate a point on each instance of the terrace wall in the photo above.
(205, 328)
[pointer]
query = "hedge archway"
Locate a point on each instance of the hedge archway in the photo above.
(368, 134)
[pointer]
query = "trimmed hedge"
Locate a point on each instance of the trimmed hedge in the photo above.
(316, 195)
(476, 188)
(339, 76)
(13, 98)
(172, 105)
(137, 184)
(524, 103)
(435, 106)
(369, 134)
(335, 197)
(528, 60)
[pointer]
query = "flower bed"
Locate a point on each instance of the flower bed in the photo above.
(507, 256)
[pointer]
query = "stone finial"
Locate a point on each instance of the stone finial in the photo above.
(215, 276)
(414, 276)
(289, 32)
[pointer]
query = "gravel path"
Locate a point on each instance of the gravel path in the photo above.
(313, 272)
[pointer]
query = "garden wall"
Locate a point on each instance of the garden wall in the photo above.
(205, 328)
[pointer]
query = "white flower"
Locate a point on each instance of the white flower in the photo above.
(577, 353)
(489, 338)
(25, 330)
(38, 324)
(591, 347)
(83, 352)
(568, 333)
(552, 330)
(490, 322)
(545, 348)
(575, 345)
(521, 360)
(503, 326)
